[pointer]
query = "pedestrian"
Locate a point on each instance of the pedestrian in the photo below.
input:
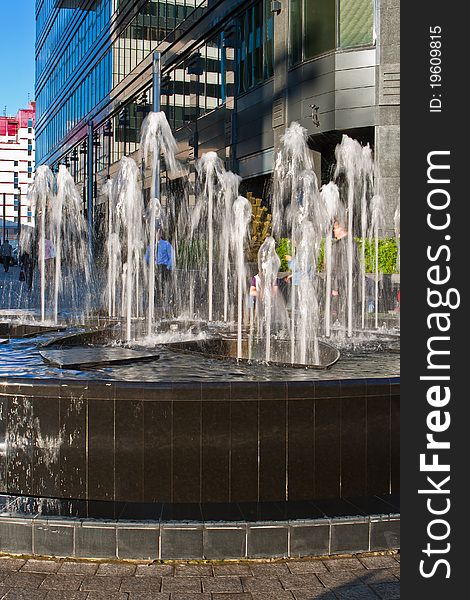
(164, 264)
(339, 273)
(27, 269)
(6, 253)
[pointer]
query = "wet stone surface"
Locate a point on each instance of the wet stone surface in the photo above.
(367, 576)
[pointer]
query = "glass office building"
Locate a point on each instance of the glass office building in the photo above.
(235, 74)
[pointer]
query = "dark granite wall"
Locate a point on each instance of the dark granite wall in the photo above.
(200, 442)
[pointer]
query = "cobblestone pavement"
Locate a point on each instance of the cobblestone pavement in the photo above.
(362, 577)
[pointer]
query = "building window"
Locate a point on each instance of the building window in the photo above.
(256, 55)
(30, 130)
(15, 163)
(312, 28)
(317, 26)
(356, 23)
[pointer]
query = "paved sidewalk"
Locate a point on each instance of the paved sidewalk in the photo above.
(363, 577)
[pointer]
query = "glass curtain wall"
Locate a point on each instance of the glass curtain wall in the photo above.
(256, 51)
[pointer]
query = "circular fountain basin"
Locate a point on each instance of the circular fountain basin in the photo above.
(223, 348)
(201, 442)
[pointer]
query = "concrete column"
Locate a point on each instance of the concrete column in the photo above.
(387, 132)
(281, 64)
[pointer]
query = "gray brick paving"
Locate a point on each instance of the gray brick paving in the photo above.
(24, 594)
(148, 596)
(232, 569)
(181, 584)
(339, 564)
(11, 564)
(120, 569)
(306, 566)
(78, 568)
(96, 595)
(65, 595)
(40, 566)
(191, 570)
(101, 583)
(154, 570)
(189, 596)
(261, 584)
(242, 596)
(364, 577)
(62, 582)
(221, 584)
(355, 592)
(379, 562)
(387, 591)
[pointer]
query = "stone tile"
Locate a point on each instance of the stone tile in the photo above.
(40, 566)
(272, 596)
(313, 595)
(117, 569)
(17, 537)
(95, 542)
(387, 591)
(355, 592)
(396, 572)
(339, 578)
(148, 596)
(141, 584)
(62, 582)
(23, 594)
(11, 564)
(188, 570)
(269, 569)
(64, 595)
(105, 583)
(138, 543)
(222, 584)
(96, 595)
(378, 562)
(301, 581)
(224, 543)
(181, 584)
(261, 584)
(378, 576)
(343, 564)
(183, 543)
(190, 596)
(52, 539)
(306, 566)
(267, 541)
(20, 580)
(154, 570)
(78, 568)
(242, 596)
(232, 569)
(349, 538)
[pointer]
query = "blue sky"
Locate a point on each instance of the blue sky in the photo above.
(17, 34)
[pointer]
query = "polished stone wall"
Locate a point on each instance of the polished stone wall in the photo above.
(199, 442)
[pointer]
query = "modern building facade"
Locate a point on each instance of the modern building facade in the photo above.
(17, 163)
(235, 73)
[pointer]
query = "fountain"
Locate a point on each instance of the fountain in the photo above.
(211, 402)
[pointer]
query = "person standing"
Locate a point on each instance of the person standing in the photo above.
(164, 263)
(6, 252)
